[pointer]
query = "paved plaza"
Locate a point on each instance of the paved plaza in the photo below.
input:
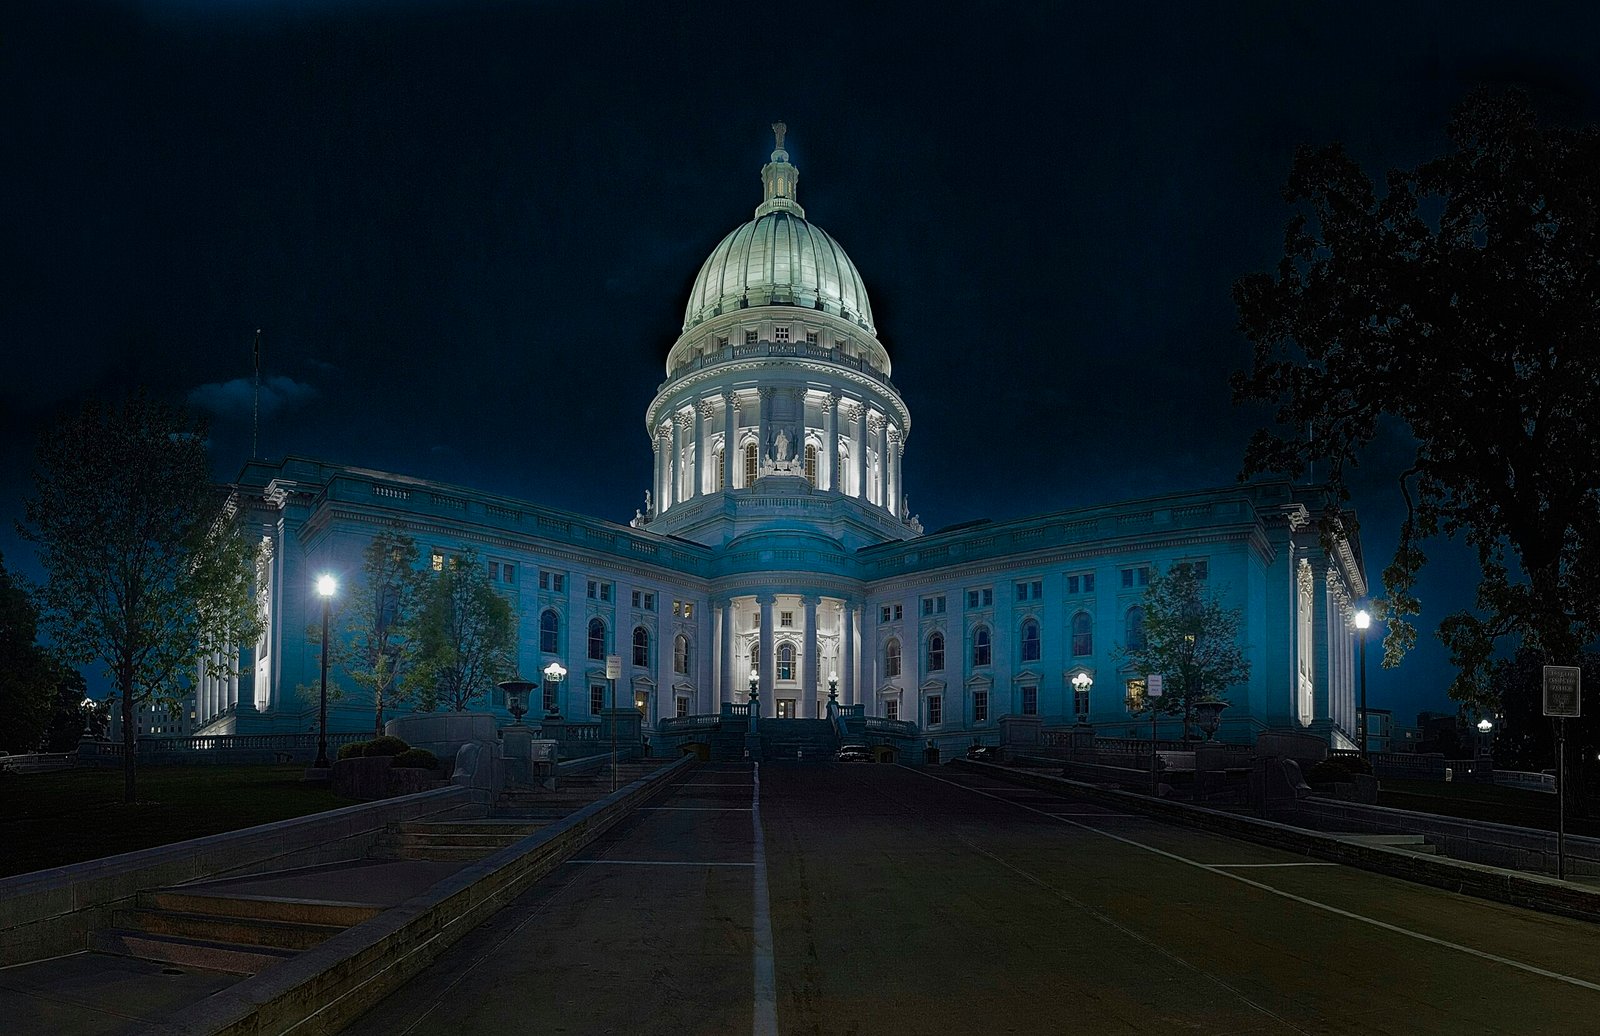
(891, 899)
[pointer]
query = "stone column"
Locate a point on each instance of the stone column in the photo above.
(891, 496)
(668, 461)
(847, 640)
(687, 456)
(718, 638)
(830, 440)
(728, 691)
(769, 659)
(809, 681)
(704, 410)
(875, 433)
(730, 437)
(655, 485)
(858, 439)
(764, 427)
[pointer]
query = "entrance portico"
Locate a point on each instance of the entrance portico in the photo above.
(793, 642)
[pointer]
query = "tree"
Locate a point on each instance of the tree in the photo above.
(69, 715)
(147, 571)
(27, 673)
(468, 636)
(1463, 303)
(1190, 639)
(377, 647)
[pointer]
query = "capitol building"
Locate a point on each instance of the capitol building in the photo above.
(775, 539)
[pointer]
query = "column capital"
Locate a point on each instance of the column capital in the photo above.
(874, 423)
(766, 600)
(810, 600)
(764, 393)
(707, 408)
(682, 420)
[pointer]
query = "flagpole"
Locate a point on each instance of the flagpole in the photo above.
(255, 411)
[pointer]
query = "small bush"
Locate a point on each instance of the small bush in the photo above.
(385, 745)
(416, 759)
(354, 750)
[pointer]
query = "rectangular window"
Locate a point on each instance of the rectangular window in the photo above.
(1132, 577)
(597, 698)
(891, 613)
(649, 601)
(638, 598)
(933, 605)
(722, 341)
(980, 706)
(780, 334)
(891, 709)
(1030, 701)
(508, 573)
(1088, 582)
(594, 590)
(599, 591)
(749, 338)
(1080, 701)
(786, 620)
(677, 608)
(1202, 569)
(935, 710)
(438, 562)
(1030, 591)
(811, 338)
(1072, 584)
(981, 598)
(683, 707)
(550, 695)
(552, 581)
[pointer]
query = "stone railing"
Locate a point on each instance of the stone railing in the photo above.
(38, 762)
(892, 727)
(852, 711)
(762, 350)
(217, 748)
(742, 711)
(689, 724)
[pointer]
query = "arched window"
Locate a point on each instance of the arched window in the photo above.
(1030, 641)
(891, 658)
(597, 639)
(641, 646)
(982, 648)
(1134, 634)
(786, 661)
(749, 464)
(680, 654)
(844, 478)
(936, 653)
(1082, 635)
(755, 658)
(811, 465)
(549, 631)
(721, 472)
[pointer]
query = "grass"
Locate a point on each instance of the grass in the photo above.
(1488, 802)
(51, 819)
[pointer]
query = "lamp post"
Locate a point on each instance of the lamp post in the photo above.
(554, 673)
(1363, 620)
(327, 586)
(1485, 725)
(1081, 684)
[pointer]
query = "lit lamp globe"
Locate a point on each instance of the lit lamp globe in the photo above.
(1485, 725)
(327, 586)
(1081, 683)
(1363, 619)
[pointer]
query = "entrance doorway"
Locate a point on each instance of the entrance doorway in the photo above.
(786, 708)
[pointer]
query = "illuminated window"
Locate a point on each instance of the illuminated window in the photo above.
(721, 473)
(749, 464)
(811, 465)
(786, 661)
(438, 562)
(680, 654)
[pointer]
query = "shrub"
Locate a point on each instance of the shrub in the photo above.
(385, 745)
(416, 759)
(354, 750)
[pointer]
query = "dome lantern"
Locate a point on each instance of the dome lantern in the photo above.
(780, 180)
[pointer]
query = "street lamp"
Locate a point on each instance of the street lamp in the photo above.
(755, 693)
(327, 586)
(1081, 684)
(1363, 620)
(833, 689)
(554, 673)
(1484, 726)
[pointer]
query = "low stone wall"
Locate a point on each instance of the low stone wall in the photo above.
(1534, 891)
(322, 990)
(50, 912)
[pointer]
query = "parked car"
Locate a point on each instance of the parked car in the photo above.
(854, 754)
(984, 753)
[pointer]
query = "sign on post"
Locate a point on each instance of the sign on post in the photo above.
(613, 667)
(1563, 687)
(1152, 685)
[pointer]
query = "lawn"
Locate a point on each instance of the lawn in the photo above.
(1490, 802)
(50, 819)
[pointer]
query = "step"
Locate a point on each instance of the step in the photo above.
(1415, 843)
(441, 853)
(449, 838)
(274, 908)
(247, 931)
(193, 953)
(487, 826)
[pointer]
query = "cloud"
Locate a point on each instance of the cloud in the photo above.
(234, 399)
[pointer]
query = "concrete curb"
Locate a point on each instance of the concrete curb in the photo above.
(324, 989)
(1532, 891)
(50, 912)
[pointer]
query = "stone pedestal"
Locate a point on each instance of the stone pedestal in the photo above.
(516, 743)
(1020, 733)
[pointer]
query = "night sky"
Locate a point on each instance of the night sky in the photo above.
(468, 229)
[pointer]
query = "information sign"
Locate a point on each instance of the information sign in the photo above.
(1563, 687)
(1152, 685)
(613, 667)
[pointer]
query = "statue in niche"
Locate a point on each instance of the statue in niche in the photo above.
(647, 501)
(780, 447)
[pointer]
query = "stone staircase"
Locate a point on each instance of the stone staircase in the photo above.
(1411, 843)
(462, 841)
(239, 935)
(798, 739)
